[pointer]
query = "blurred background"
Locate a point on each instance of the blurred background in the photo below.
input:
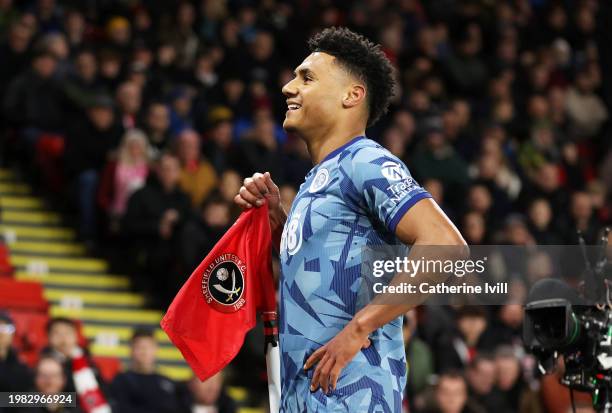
(127, 127)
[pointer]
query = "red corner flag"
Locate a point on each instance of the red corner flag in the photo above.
(217, 306)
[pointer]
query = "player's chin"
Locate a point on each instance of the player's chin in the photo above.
(290, 125)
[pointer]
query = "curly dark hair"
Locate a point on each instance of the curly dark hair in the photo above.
(362, 59)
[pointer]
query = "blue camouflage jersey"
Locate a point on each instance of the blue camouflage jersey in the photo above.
(354, 198)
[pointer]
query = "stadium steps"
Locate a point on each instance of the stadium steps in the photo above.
(77, 286)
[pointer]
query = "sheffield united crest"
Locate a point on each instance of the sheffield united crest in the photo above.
(223, 283)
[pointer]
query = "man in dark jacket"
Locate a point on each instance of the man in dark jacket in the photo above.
(140, 388)
(33, 99)
(153, 220)
(14, 375)
(32, 106)
(88, 146)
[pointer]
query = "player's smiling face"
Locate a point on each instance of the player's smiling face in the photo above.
(314, 95)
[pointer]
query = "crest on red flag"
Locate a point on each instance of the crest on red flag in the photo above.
(223, 283)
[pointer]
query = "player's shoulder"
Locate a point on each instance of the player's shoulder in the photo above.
(367, 151)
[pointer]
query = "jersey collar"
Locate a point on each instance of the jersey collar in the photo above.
(341, 148)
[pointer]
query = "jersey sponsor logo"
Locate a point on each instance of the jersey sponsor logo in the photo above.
(393, 171)
(223, 283)
(319, 181)
(399, 190)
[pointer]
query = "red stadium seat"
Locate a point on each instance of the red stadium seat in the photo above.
(30, 335)
(108, 366)
(22, 295)
(6, 269)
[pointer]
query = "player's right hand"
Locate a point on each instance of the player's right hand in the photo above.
(256, 189)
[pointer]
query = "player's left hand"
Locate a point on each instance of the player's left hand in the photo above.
(334, 356)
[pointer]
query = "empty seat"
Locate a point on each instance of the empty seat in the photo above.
(108, 366)
(22, 295)
(30, 333)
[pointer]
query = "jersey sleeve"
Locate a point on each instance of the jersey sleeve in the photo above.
(383, 184)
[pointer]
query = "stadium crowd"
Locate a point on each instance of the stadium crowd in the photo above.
(141, 119)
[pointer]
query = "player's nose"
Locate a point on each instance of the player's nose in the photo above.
(289, 88)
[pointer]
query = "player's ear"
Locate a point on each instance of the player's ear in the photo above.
(355, 94)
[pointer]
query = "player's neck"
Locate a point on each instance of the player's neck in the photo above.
(321, 146)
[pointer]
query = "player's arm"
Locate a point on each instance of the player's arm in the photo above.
(257, 189)
(423, 224)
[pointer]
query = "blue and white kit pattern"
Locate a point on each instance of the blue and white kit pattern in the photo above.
(354, 198)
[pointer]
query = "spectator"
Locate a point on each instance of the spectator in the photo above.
(118, 32)
(48, 15)
(204, 76)
(545, 183)
(64, 345)
(507, 327)
(33, 100)
(516, 231)
(261, 61)
(481, 375)
(128, 99)
(473, 228)
(510, 381)
(88, 147)
(152, 222)
(50, 379)
(491, 170)
(181, 109)
(259, 149)
(82, 87)
(585, 109)
(57, 45)
(395, 142)
(540, 223)
(234, 96)
(218, 145)
(14, 53)
(467, 73)
(198, 177)
(14, 375)
(451, 395)
(110, 69)
(75, 28)
(140, 388)
(599, 199)
(157, 124)
(479, 200)
(210, 395)
(437, 159)
(581, 220)
(201, 233)
(229, 185)
(458, 348)
(8, 15)
(182, 37)
(419, 359)
(121, 178)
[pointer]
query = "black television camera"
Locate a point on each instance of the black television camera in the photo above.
(559, 322)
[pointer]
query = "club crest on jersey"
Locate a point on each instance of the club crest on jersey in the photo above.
(223, 283)
(319, 181)
(393, 171)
